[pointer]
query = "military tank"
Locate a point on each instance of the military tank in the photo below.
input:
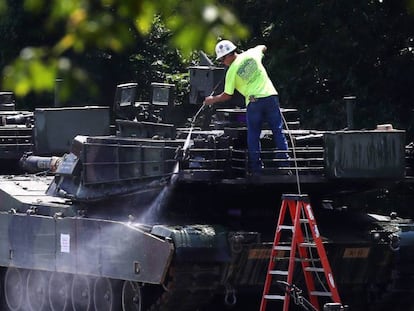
(159, 212)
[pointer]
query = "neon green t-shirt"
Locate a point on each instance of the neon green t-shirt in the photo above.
(248, 76)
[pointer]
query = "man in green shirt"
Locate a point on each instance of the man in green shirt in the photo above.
(247, 75)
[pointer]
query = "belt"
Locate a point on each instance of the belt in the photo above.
(253, 98)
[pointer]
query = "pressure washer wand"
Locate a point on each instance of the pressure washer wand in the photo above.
(198, 112)
(204, 105)
(187, 141)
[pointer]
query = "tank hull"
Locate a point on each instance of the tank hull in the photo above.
(184, 263)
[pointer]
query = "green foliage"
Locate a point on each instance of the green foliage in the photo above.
(321, 51)
(111, 26)
(318, 51)
(27, 69)
(155, 60)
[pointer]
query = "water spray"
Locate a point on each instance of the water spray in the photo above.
(163, 197)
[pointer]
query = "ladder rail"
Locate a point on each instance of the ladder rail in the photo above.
(322, 254)
(304, 253)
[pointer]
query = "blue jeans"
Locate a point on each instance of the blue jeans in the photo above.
(264, 109)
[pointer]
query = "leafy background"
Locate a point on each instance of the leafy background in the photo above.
(318, 51)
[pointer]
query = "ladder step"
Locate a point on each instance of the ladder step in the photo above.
(307, 259)
(304, 221)
(282, 248)
(278, 272)
(274, 297)
(297, 259)
(314, 269)
(325, 294)
(307, 244)
(285, 227)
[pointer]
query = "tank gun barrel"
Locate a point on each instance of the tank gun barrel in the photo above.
(35, 164)
(17, 119)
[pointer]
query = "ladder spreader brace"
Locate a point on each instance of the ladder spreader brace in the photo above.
(292, 238)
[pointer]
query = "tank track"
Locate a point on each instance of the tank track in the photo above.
(189, 287)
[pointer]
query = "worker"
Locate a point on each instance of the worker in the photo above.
(247, 75)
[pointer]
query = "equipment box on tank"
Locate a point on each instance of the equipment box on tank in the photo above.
(114, 159)
(365, 154)
(56, 128)
(204, 79)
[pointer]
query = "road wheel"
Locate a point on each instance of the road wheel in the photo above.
(59, 292)
(81, 293)
(15, 288)
(106, 295)
(37, 290)
(131, 296)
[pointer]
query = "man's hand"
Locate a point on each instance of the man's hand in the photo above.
(209, 100)
(262, 47)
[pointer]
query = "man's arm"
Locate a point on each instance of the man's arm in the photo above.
(210, 100)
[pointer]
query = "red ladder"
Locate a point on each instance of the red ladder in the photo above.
(315, 266)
